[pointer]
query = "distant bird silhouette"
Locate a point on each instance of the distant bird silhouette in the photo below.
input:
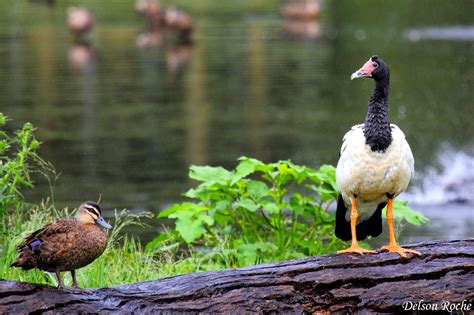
(300, 9)
(178, 20)
(152, 11)
(79, 20)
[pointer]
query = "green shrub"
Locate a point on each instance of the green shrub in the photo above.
(259, 213)
(18, 159)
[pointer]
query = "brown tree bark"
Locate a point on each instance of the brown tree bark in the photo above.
(332, 283)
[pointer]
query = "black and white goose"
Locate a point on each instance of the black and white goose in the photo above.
(375, 166)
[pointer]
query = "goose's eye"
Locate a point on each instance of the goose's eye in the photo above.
(375, 65)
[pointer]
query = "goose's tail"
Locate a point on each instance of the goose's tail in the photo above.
(371, 226)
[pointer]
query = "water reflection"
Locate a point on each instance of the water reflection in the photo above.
(81, 57)
(45, 2)
(302, 29)
(79, 21)
(126, 121)
(301, 18)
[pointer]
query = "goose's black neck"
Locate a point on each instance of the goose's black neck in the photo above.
(377, 131)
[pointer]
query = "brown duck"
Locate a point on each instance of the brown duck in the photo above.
(67, 244)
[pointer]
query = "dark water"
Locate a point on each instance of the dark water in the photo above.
(126, 122)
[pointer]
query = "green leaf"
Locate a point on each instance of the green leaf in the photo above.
(257, 190)
(185, 206)
(157, 241)
(222, 219)
(191, 226)
(256, 165)
(248, 204)
(327, 174)
(245, 168)
(324, 193)
(222, 205)
(209, 173)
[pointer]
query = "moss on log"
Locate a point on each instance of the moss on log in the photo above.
(330, 283)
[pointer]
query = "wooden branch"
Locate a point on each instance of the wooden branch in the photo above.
(334, 283)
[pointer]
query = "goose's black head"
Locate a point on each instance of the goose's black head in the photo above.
(374, 68)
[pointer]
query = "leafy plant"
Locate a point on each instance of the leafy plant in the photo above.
(18, 159)
(264, 211)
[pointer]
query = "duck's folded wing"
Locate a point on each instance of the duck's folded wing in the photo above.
(48, 231)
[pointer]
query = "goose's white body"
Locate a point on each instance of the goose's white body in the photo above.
(371, 175)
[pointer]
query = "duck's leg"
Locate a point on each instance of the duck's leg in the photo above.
(60, 281)
(393, 247)
(74, 280)
(355, 247)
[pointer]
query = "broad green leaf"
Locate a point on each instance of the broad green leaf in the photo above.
(221, 219)
(157, 241)
(222, 205)
(327, 174)
(191, 226)
(185, 206)
(193, 193)
(254, 164)
(257, 190)
(245, 168)
(248, 204)
(324, 193)
(209, 173)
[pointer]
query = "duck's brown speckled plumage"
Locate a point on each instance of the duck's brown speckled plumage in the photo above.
(64, 245)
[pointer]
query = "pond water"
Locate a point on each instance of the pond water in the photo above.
(125, 122)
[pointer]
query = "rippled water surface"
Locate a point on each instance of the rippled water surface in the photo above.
(125, 122)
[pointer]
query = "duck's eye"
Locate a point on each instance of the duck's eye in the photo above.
(375, 65)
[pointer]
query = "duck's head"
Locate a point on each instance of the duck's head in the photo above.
(374, 68)
(89, 212)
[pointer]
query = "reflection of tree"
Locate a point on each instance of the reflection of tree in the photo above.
(198, 110)
(46, 2)
(46, 85)
(255, 109)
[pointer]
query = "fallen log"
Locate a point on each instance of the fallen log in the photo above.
(332, 283)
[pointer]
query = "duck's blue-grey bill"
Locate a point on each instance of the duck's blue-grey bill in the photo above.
(100, 221)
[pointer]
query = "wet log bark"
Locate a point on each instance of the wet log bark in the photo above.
(330, 283)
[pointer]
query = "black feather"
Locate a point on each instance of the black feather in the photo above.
(343, 228)
(371, 227)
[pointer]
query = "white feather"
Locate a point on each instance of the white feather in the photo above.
(371, 175)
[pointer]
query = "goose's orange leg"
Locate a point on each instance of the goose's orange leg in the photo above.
(355, 248)
(393, 247)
